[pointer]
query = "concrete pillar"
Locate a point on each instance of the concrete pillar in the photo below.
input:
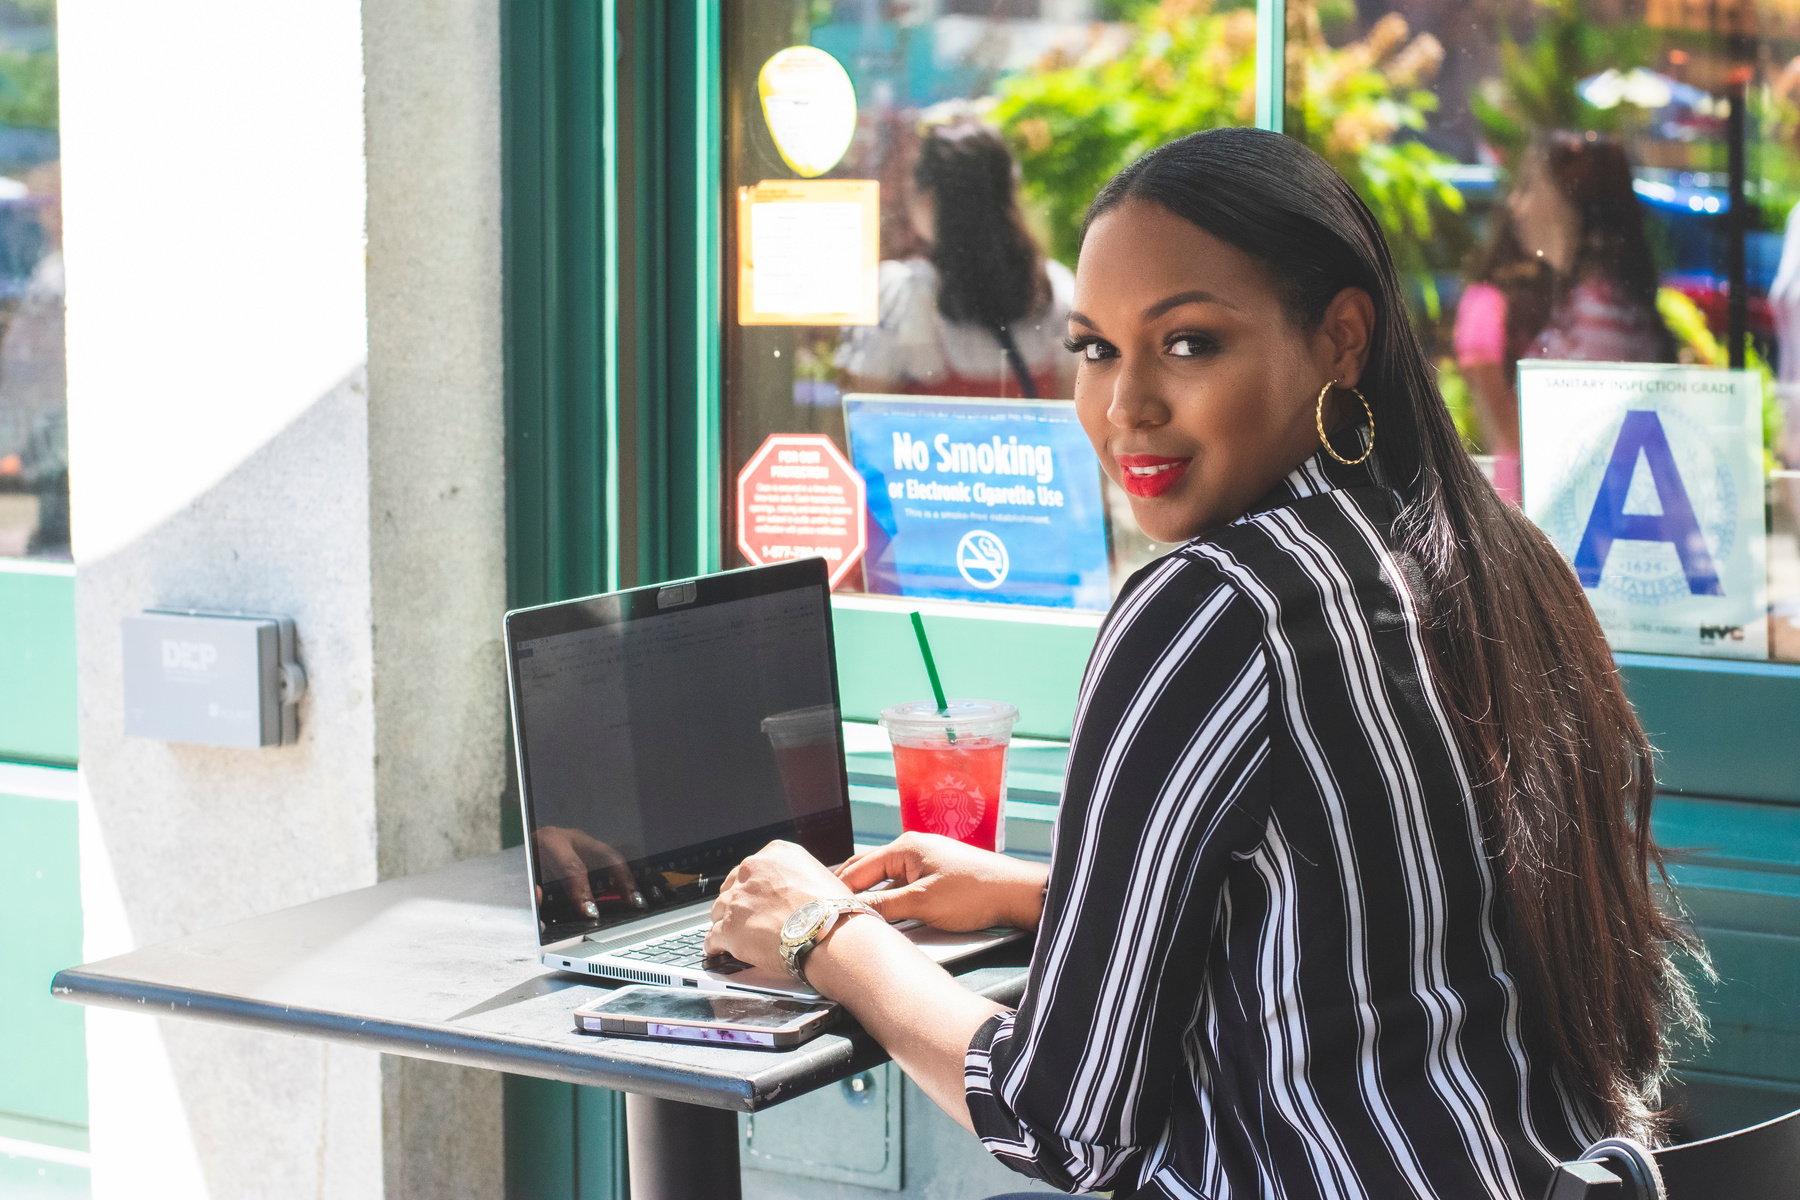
(437, 513)
(284, 344)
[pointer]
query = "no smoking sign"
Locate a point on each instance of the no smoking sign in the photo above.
(799, 496)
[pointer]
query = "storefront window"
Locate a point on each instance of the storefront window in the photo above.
(34, 471)
(908, 183)
(1558, 181)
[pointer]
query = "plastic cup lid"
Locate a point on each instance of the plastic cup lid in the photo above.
(971, 718)
(802, 726)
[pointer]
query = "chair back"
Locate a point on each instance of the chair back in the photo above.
(1614, 1168)
(1758, 1163)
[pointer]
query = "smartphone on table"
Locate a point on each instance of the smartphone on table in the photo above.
(721, 1018)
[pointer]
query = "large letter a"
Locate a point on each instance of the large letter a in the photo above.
(1642, 433)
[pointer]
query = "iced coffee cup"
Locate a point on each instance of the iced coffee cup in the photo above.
(950, 768)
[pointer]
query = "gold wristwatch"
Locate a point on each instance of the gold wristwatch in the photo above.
(808, 926)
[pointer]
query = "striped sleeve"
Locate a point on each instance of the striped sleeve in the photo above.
(1168, 779)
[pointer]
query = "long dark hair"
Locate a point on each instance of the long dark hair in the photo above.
(1593, 174)
(991, 271)
(1561, 768)
(1526, 281)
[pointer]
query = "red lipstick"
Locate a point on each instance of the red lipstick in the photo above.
(1150, 474)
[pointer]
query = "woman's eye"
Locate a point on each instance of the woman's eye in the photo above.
(1090, 349)
(1187, 347)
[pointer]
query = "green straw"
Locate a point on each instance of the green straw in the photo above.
(937, 686)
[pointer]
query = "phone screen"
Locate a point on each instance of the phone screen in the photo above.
(760, 1012)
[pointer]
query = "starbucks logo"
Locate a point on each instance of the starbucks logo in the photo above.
(954, 810)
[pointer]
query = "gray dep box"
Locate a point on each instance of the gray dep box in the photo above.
(214, 679)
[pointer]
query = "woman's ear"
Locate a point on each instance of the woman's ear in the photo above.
(1344, 335)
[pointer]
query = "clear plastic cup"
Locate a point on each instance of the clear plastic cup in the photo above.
(952, 786)
(805, 741)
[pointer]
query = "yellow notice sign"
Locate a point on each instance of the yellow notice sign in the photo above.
(809, 252)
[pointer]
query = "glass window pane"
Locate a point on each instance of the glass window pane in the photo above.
(909, 231)
(34, 467)
(1557, 181)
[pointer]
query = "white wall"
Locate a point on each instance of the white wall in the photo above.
(259, 422)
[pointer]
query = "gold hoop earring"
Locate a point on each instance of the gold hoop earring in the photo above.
(1319, 421)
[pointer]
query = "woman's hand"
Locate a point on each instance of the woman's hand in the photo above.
(948, 885)
(569, 856)
(760, 895)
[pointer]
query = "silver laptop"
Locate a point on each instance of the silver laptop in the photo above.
(664, 734)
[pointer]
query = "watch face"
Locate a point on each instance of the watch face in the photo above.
(805, 921)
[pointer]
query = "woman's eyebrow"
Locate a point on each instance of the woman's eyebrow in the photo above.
(1180, 298)
(1083, 319)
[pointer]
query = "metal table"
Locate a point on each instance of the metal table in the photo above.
(443, 966)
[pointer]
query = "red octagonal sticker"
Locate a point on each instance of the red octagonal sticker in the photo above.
(799, 496)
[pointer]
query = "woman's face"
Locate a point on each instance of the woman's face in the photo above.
(1194, 385)
(1546, 223)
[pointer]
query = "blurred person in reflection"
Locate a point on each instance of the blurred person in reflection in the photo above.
(1566, 273)
(982, 314)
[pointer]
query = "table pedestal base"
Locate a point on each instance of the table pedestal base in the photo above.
(681, 1151)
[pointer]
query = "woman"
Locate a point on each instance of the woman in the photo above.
(1567, 273)
(1350, 894)
(983, 315)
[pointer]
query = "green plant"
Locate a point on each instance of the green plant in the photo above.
(1698, 345)
(1354, 105)
(1455, 391)
(1074, 122)
(1537, 85)
(28, 87)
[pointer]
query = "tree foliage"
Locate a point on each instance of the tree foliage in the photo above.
(28, 87)
(1537, 85)
(1186, 66)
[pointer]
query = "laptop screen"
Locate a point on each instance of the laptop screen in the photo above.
(665, 733)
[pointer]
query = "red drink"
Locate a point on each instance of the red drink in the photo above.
(953, 790)
(950, 768)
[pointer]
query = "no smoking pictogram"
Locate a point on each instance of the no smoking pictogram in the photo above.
(799, 496)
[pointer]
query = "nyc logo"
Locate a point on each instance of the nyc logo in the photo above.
(1626, 510)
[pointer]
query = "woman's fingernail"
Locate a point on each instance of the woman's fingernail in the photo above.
(591, 909)
(637, 899)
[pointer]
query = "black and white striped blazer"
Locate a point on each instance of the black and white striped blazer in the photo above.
(1271, 963)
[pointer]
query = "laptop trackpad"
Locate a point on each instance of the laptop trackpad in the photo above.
(941, 946)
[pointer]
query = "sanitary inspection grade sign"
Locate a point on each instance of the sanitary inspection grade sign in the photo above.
(1649, 479)
(799, 496)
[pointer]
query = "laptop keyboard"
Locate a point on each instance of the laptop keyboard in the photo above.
(684, 948)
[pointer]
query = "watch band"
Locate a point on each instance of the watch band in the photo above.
(794, 952)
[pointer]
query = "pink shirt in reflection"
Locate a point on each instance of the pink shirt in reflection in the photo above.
(1481, 325)
(1597, 322)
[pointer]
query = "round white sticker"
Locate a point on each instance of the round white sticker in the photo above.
(810, 105)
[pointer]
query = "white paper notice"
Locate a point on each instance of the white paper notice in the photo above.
(808, 256)
(1649, 479)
